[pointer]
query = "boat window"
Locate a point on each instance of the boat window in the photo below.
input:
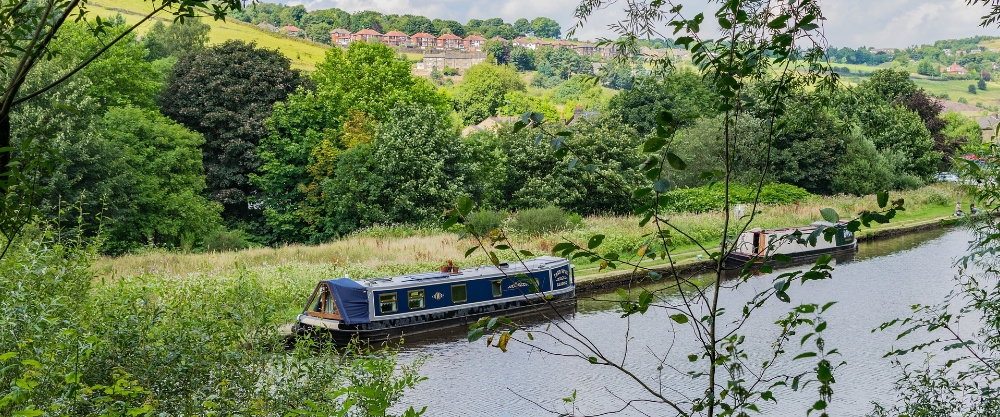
(497, 288)
(458, 294)
(415, 299)
(387, 303)
(323, 304)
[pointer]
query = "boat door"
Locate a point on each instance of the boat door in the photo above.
(322, 303)
(760, 243)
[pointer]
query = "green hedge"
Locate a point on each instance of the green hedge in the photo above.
(704, 199)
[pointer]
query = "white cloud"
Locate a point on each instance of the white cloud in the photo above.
(852, 23)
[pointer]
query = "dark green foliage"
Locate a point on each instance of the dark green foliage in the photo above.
(544, 27)
(177, 38)
(862, 170)
(706, 199)
(163, 204)
(522, 58)
(538, 176)
(523, 26)
(485, 221)
(562, 62)
(500, 51)
(926, 68)
(617, 76)
(365, 78)
(683, 93)
(222, 240)
(409, 174)
(890, 84)
(226, 93)
(448, 26)
(972, 89)
(981, 84)
(539, 221)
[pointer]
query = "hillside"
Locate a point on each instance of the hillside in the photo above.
(304, 54)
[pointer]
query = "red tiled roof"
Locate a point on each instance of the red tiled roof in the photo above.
(367, 32)
(474, 38)
(449, 36)
(396, 33)
(422, 35)
(290, 28)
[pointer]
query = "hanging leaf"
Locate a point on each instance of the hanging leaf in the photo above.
(676, 162)
(830, 215)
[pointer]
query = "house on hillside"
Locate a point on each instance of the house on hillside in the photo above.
(291, 30)
(458, 60)
(988, 126)
(525, 42)
(340, 36)
(396, 38)
(423, 40)
(366, 35)
(474, 43)
(267, 27)
(585, 48)
(956, 69)
(449, 41)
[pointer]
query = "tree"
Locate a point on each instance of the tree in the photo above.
(972, 89)
(27, 41)
(522, 26)
(617, 76)
(367, 79)
(683, 93)
(225, 93)
(448, 26)
(544, 27)
(498, 50)
(926, 68)
(407, 174)
(522, 58)
(482, 90)
(292, 15)
(982, 84)
(163, 204)
(563, 62)
(366, 20)
(319, 32)
(177, 38)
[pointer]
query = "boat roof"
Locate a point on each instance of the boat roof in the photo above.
(464, 274)
(808, 228)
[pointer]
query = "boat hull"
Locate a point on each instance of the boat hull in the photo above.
(738, 259)
(421, 326)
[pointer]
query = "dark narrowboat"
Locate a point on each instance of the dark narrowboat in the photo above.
(385, 308)
(754, 244)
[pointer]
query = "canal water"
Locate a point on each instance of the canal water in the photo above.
(877, 285)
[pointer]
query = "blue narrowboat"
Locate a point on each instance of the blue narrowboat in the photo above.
(385, 308)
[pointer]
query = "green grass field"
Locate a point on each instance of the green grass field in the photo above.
(304, 54)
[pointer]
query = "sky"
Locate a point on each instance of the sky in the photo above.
(851, 23)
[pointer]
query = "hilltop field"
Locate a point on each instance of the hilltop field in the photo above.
(303, 53)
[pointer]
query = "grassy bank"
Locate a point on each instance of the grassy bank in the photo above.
(380, 251)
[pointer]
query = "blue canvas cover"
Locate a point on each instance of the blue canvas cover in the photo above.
(352, 300)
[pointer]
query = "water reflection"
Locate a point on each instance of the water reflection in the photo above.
(877, 285)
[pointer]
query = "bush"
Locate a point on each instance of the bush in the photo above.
(937, 197)
(223, 240)
(485, 221)
(540, 221)
(972, 89)
(704, 199)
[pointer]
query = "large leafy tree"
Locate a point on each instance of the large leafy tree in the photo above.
(683, 93)
(162, 165)
(307, 132)
(177, 38)
(29, 29)
(226, 93)
(544, 27)
(409, 173)
(483, 89)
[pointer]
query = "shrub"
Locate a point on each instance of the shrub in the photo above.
(937, 197)
(484, 221)
(223, 240)
(704, 199)
(539, 221)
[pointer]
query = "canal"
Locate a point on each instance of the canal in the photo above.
(877, 285)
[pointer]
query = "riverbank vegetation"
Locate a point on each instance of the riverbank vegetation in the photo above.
(396, 249)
